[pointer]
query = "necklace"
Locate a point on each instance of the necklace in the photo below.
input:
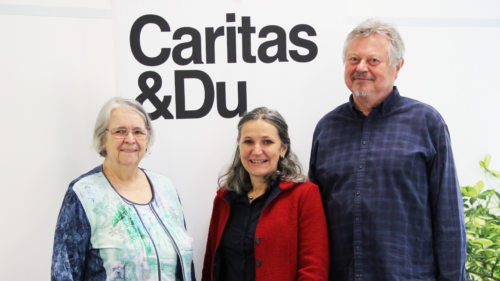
(255, 194)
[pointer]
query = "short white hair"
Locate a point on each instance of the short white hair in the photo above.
(102, 121)
(373, 26)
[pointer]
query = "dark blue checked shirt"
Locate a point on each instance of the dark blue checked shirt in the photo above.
(390, 192)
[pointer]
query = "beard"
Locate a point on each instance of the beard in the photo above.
(360, 94)
(360, 89)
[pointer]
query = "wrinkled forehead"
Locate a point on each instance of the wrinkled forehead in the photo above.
(126, 116)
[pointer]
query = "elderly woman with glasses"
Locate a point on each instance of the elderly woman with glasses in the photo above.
(119, 221)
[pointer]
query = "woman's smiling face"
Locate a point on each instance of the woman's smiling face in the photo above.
(260, 148)
(130, 149)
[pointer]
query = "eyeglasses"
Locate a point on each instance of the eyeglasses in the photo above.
(122, 133)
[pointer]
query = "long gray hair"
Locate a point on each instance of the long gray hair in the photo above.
(237, 179)
(371, 27)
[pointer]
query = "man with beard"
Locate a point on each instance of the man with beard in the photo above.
(386, 172)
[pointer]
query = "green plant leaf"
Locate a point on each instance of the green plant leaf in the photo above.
(485, 163)
(478, 222)
(472, 191)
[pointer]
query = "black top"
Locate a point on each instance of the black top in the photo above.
(237, 244)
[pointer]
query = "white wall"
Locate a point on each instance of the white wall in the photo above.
(58, 64)
(56, 69)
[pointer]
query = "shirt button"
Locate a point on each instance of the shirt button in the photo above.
(257, 241)
(357, 193)
(258, 263)
(360, 167)
(363, 142)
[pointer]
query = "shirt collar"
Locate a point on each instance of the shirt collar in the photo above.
(232, 196)
(386, 106)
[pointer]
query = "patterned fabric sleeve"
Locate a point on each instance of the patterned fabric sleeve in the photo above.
(72, 240)
(449, 227)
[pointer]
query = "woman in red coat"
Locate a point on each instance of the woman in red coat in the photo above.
(267, 221)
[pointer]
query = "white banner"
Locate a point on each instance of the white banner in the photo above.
(198, 66)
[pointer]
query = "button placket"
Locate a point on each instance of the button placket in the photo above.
(357, 192)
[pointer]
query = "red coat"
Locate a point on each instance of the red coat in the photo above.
(291, 238)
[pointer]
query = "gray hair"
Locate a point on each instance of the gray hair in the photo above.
(371, 27)
(102, 121)
(237, 179)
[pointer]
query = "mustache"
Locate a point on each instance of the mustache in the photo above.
(361, 76)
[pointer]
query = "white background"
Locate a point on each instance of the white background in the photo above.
(61, 60)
